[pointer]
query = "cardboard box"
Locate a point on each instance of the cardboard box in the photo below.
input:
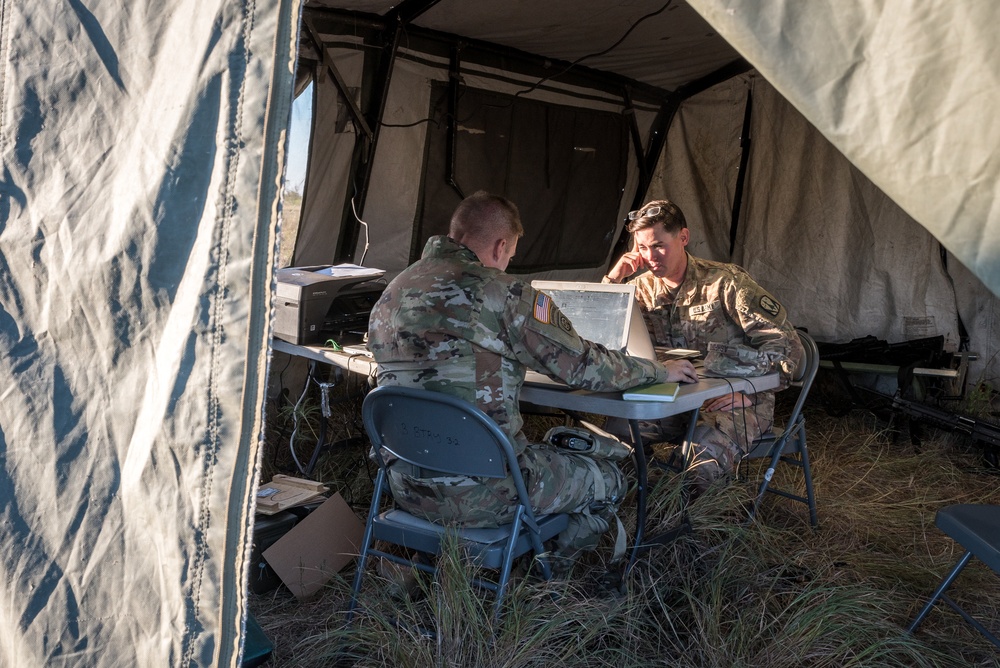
(317, 547)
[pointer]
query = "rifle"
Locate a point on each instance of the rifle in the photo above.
(977, 429)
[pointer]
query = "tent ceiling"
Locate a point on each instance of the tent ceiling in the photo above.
(672, 46)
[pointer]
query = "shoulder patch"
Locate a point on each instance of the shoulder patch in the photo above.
(564, 323)
(769, 306)
(543, 308)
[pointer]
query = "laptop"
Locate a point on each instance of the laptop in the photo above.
(605, 313)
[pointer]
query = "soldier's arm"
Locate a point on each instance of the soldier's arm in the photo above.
(544, 339)
(767, 327)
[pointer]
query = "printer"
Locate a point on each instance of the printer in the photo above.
(319, 302)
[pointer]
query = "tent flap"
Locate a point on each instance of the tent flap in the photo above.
(140, 195)
(906, 91)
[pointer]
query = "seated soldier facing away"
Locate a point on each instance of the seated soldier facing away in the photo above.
(455, 322)
(717, 309)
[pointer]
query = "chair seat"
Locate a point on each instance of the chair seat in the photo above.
(761, 447)
(976, 528)
(485, 546)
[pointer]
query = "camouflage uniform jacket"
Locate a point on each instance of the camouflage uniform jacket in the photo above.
(450, 324)
(719, 303)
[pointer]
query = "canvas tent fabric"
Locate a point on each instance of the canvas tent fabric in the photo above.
(807, 213)
(842, 218)
(142, 148)
(907, 91)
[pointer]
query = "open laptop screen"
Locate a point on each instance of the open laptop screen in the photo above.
(601, 312)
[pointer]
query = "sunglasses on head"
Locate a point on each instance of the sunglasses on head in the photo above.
(645, 213)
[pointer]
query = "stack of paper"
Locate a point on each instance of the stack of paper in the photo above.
(286, 492)
(351, 271)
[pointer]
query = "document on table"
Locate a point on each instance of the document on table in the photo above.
(351, 271)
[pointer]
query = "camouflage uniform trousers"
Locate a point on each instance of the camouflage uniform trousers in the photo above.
(557, 481)
(721, 438)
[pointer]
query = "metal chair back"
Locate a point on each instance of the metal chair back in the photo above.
(439, 433)
(789, 445)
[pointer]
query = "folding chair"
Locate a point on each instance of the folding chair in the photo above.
(789, 445)
(445, 435)
(976, 527)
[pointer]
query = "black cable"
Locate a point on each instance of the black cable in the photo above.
(746, 432)
(538, 83)
(429, 119)
(732, 410)
(599, 53)
(281, 375)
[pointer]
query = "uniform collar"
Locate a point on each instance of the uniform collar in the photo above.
(442, 246)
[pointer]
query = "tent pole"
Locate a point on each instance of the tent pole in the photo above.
(741, 174)
(338, 81)
(647, 160)
(375, 95)
(375, 92)
(454, 78)
(633, 126)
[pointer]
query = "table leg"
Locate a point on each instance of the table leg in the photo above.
(686, 446)
(321, 443)
(687, 454)
(639, 458)
(641, 474)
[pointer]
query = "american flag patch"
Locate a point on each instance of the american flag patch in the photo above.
(543, 308)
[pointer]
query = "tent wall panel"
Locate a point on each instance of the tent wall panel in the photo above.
(907, 91)
(842, 256)
(394, 193)
(700, 164)
(138, 205)
(394, 199)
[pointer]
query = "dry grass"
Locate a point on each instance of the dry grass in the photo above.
(290, 210)
(774, 593)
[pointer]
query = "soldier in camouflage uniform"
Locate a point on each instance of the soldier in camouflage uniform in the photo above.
(454, 322)
(716, 308)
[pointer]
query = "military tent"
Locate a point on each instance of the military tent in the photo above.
(842, 152)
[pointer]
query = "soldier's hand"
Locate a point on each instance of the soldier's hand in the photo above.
(627, 264)
(681, 371)
(728, 402)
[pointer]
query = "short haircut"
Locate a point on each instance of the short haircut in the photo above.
(485, 217)
(669, 215)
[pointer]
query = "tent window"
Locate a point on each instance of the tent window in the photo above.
(564, 167)
(299, 132)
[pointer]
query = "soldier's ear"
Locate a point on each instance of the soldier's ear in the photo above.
(492, 254)
(684, 235)
(499, 250)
